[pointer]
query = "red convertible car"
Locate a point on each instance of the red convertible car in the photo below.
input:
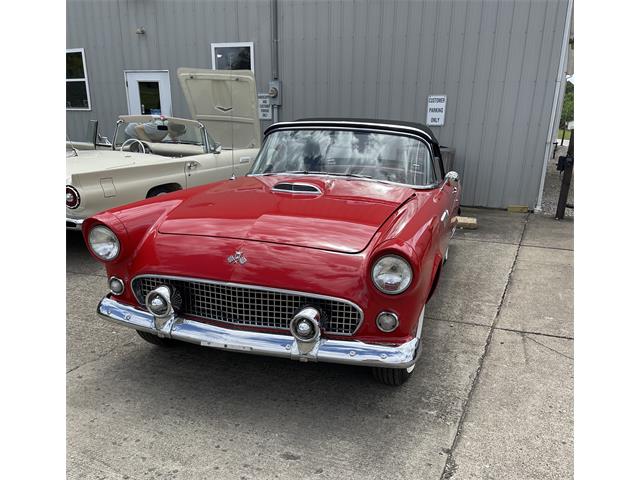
(326, 251)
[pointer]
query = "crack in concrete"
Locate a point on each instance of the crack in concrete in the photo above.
(547, 347)
(483, 241)
(100, 356)
(87, 274)
(450, 465)
(510, 243)
(527, 332)
(528, 245)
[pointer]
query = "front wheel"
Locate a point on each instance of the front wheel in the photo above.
(156, 340)
(392, 376)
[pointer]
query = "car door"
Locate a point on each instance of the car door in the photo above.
(203, 169)
(213, 167)
(447, 197)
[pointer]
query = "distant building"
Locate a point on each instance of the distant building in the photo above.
(500, 65)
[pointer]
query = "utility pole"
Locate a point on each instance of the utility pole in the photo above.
(565, 165)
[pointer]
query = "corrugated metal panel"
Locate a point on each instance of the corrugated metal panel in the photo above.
(178, 34)
(496, 61)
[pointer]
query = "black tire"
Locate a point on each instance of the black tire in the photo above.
(391, 376)
(155, 191)
(156, 340)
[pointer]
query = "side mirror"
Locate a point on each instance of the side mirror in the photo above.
(452, 179)
(217, 148)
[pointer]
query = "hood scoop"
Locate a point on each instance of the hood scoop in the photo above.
(296, 187)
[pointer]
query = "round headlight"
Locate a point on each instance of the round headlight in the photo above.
(73, 197)
(104, 243)
(391, 274)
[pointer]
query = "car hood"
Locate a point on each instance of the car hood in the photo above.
(342, 216)
(225, 101)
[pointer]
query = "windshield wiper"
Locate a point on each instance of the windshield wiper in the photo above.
(355, 175)
(337, 174)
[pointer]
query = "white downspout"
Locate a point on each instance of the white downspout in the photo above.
(275, 67)
(556, 98)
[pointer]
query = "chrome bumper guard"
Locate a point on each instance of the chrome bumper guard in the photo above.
(74, 223)
(351, 352)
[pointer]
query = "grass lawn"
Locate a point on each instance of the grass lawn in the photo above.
(567, 134)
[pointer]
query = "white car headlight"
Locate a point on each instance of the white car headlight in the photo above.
(104, 243)
(391, 274)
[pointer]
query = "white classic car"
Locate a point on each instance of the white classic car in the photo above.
(152, 154)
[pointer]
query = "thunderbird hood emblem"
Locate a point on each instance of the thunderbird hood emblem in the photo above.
(238, 257)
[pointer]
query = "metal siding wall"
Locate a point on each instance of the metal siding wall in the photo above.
(178, 34)
(496, 61)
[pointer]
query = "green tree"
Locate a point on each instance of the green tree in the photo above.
(567, 106)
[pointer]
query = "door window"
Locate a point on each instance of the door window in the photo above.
(150, 98)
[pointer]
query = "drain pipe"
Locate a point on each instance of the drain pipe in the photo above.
(556, 98)
(275, 72)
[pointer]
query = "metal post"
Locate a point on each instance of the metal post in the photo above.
(275, 65)
(567, 174)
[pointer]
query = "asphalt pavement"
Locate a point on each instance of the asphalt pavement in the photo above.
(491, 396)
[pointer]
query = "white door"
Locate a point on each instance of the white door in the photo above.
(148, 92)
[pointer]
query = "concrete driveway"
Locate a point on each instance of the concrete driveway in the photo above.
(491, 397)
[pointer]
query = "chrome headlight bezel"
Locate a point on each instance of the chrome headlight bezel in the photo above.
(108, 237)
(75, 197)
(405, 270)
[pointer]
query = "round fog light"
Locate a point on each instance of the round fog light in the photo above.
(305, 325)
(116, 285)
(387, 321)
(158, 301)
(304, 328)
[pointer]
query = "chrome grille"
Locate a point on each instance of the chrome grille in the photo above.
(251, 306)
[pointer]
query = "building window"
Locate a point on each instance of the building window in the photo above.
(77, 82)
(232, 56)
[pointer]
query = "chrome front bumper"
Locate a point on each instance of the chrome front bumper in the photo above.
(74, 223)
(350, 352)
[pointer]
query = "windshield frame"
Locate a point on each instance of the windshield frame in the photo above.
(206, 145)
(384, 131)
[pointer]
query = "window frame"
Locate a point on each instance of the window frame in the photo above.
(85, 79)
(233, 44)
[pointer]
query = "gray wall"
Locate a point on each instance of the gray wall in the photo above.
(497, 62)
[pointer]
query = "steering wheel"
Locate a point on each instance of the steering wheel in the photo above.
(131, 141)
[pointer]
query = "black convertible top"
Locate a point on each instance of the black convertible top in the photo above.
(391, 125)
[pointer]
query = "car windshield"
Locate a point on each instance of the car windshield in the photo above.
(367, 154)
(160, 130)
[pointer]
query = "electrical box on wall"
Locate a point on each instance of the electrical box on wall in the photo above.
(275, 92)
